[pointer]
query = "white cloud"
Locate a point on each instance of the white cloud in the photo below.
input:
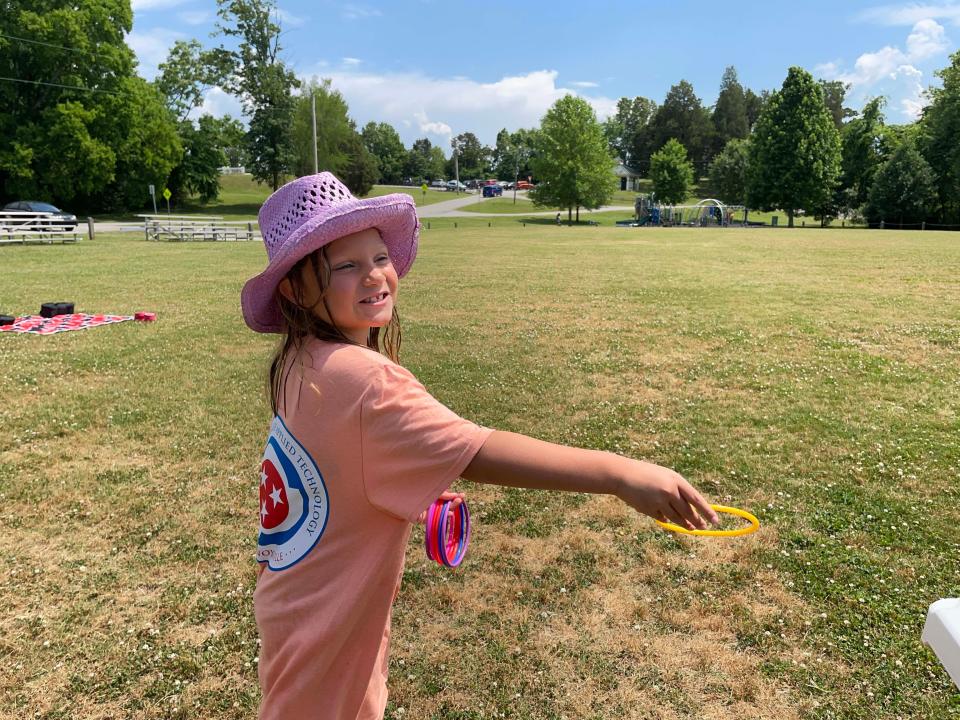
(432, 128)
(926, 40)
(218, 103)
(893, 72)
(288, 19)
(152, 48)
(140, 5)
(913, 13)
(194, 17)
(353, 62)
(585, 84)
(416, 104)
(358, 12)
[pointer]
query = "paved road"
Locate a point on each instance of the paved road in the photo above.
(444, 208)
(452, 208)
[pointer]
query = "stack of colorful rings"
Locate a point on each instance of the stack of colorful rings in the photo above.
(448, 532)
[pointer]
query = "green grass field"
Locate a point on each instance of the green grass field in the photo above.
(810, 377)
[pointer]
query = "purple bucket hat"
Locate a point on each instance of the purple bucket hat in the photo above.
(313, 211)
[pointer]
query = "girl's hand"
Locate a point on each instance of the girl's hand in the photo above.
(662, 494)
(455, 498)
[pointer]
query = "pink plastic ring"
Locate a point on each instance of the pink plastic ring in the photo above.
(447, 532)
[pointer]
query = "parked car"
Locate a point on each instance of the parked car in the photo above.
(62, 219)
(492, 191)
(452, 186)
(472, 184)
(524, 185)
(439, 184)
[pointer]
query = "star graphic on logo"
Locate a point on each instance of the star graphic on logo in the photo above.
(263, 476)
(275, 496)
(263, 510)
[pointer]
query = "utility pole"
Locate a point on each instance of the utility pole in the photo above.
(313, 115)
(456, 163)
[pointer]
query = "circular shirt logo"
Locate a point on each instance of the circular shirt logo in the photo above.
(294, 504)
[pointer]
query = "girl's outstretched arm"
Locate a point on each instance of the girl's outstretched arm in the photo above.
(515, 460)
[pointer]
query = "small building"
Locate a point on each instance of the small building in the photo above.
(629, 180)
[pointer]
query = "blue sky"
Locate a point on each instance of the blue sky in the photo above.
(432, 68)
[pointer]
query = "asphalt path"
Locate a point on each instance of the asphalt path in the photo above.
(444, 208)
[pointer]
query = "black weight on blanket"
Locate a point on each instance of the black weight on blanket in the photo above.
(7, 319)
(52, 309)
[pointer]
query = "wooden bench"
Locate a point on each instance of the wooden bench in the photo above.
(184, 228)
(18, 226)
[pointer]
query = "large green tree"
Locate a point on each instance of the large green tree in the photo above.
(188, 73)
(904, 191)
(754, 104)
(728, 173)
(834, 95)
(511, 156)
(862, 151)
(939, 139)
(683, 117)
(730, 113)
(671, 173)
(77, 127)
(340, 149)
(198, 173)
(572, 164)
(473, 159)
(417, 163)
(794, 149)
(383, 142)
(626, 128)
(264, 84)
(185, 77)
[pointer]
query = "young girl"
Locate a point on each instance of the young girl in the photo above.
(358, 449)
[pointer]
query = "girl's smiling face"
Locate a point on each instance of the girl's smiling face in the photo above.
(362, 289)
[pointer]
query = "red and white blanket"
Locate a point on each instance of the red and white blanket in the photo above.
(61, 323)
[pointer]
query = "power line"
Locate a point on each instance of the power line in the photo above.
(51, 45)
(68, 87)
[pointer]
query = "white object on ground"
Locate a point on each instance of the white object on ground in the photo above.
(942, 633)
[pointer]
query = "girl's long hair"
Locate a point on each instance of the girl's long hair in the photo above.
(302, 325)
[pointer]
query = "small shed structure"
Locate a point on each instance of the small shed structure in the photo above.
(629, 180)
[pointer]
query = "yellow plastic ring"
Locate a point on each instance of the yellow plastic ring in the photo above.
(752, 527)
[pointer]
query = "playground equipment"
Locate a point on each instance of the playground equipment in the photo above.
(706, 213)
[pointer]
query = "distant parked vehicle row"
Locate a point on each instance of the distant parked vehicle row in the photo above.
(61, 219)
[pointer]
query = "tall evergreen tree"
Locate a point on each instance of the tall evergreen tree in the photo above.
(753, 105)
(573, 163)
(940, 139)
(682, 116)
(794, 149)
(264, 84)
(730, 113)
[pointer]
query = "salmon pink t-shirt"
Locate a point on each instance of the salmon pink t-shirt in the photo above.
(357, 452)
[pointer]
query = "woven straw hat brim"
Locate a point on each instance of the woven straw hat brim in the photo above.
(394, 216)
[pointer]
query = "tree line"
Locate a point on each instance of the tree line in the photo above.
(82, 129)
